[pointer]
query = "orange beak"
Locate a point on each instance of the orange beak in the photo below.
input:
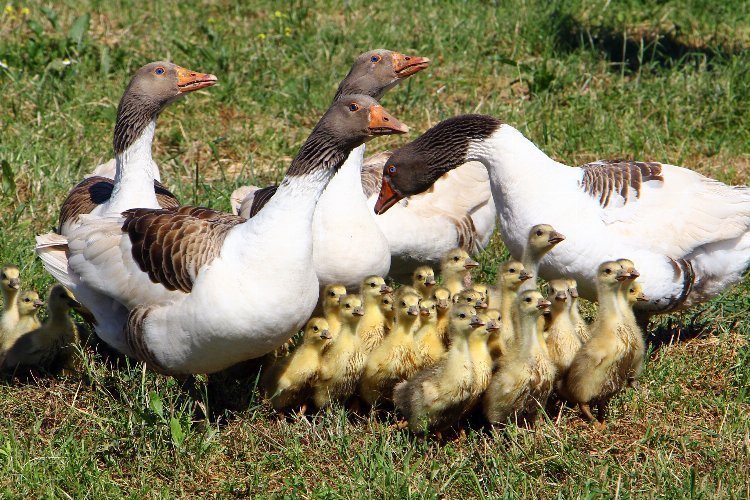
(188, 81)
(387, 197)
(382, 123)
(405, 66)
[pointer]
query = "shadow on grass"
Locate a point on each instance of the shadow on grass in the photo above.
(656, 48)
(676, 329)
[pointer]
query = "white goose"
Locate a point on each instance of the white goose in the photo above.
(202, 289)
(348, 245)
(688, 234)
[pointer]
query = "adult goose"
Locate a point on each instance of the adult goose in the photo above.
(688, 234)
(348, 245)
(136, 181)
(202, 290)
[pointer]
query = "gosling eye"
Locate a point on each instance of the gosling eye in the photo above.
(419, 276)
(539, 232)
(403, 304)
(315, 328)
(348, 306)
(455, 259)
(462, 316)
(392, 169)
(528, 299)
(375, 58)
(353, 107)
(27, 299)
(608, 271)
(372, 285)
(332, 294)
(159, 71)
(512, 270)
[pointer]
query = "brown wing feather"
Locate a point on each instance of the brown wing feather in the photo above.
(95, 190)
(172, 245)
(603, 178)
(372, 172)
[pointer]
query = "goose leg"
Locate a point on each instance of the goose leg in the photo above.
(586, 411)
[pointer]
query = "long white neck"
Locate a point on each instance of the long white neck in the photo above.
(134, 175)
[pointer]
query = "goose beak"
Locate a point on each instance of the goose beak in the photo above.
(387, 198)
(470, 263)
(325, 335)
(481, 304)
(574, 293)
(358, 311)
(561, 296)
(493, 326)
(413, 311)
(633, 273)
(405, 66)
(430, 282)
(476, 321)
(382, 123)
(15, 283)
(424, 311)
(555, 238)
(38, 303)
(523, 276)
(543, 304)
(641, 297)
(188, 81)
(384, 289)
(443, 304)
(622, 275)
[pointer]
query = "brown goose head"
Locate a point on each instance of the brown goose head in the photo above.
(415, 167)
(153, 87)
(377, 71)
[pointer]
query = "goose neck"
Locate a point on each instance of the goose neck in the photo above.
(134, 174)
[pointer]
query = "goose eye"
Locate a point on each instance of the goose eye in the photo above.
(608, 271)
(348, 306)
(27, 299)
(528, 299)
(455, 259)
(375, 59)
(372, 285)
(538, 232)
(353, 107)
(159, 71)
(511, 270)
(403, 304)
(392, 169)
(462, 315)
(315, 328)
(419, 276)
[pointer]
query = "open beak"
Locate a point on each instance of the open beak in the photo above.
(470, 263)
(384, 289)
(15, 283)
(325, 335)
(555, 238)
(382, 123)
(476, 321)
(413, 311)
(387, 198)
(523, 276)
(188, 81)
(38, 303)
(405, 66)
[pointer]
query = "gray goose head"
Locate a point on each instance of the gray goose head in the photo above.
(351, 121)
(377, 71)
(153, 87)
(413, 168)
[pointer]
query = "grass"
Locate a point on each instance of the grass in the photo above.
(583, 79)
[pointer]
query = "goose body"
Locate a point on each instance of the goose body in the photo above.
(27, 307)
(374, 324)
(688, 234)
(194, 288)
(10, 283)
(563, 341)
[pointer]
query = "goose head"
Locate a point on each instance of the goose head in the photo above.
(471, 297)
(457, 261)
(635, 293)
(374, 287)
(424, 279)
(317, 331)
(153, 87)
(493, 314)
(377, 71)
(442, 298)
(482, 289)
(10, 277)
(629, 267)
(408, 307)
(573, 289)
(461, 319)
(61, 300)
(610, 275)
(350, 308)
(531, 303)
(386, 305)
(428, 311)
(543, 238)
(414, 167)
(331, 296)
(28, 303)
(558, 294)
(512, 273)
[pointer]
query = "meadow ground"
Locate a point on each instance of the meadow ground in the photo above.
(664, 80)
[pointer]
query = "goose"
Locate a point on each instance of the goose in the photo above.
(563, 342)
(481, 359)
(436, 397)
(582, 328)
(471, 297)
(427, 337)
(288, 381)
(52, 342)
(689, 234)
(136, 181)
(542, 239)
(331, 301)
(386, 306)
(456, 268)
(10, 283)
(374, 324)
(423, 281)
(510, 276)
(604, 364)
(348, 246)
(27, 306)
(193, 287)
(342, 364)
(442, 298)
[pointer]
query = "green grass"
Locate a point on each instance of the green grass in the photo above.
(663, 80)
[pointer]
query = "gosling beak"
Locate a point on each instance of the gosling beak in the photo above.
(384, 289)
(358, 311)
(470, 263)
(633, 273)
(15, 283)
(424, 312)
(443, 304)
(561, 296)
(641, 297)
(188, 81)
(555, 238)
(574, 292)
(74, 304)
(430, 282)
(382, 123)
(405, 66)
(325, 335)
(387, 197)
(476, 321)
(543, 304)
(523, 276)
(413, 311)
(493, 326)
(38, 303)
(622, 275)
(481, 304)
